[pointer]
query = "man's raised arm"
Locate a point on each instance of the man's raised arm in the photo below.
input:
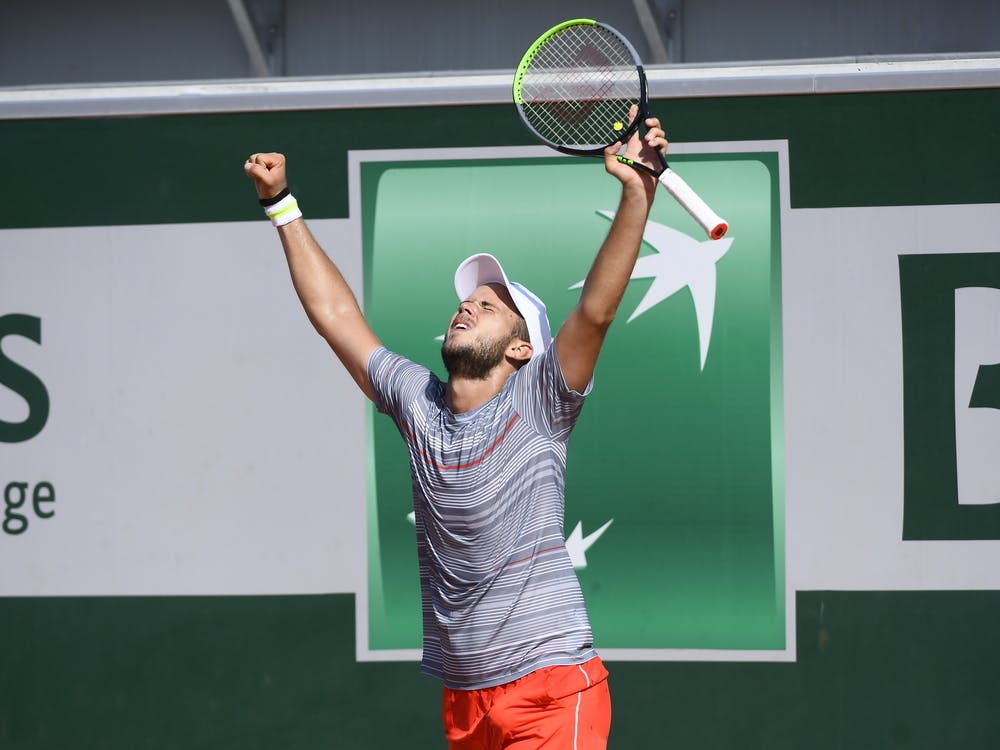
(581, 336)
(328, 300)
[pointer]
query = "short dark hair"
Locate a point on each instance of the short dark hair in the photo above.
(520, 329)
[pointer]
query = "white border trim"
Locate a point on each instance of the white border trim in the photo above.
(355, 159)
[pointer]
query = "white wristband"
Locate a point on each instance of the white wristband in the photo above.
(284, 211)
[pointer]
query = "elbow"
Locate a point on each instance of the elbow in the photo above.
(597, 317)
(328, 319)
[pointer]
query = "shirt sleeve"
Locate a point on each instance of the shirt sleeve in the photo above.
(396, 382)
(544, 398)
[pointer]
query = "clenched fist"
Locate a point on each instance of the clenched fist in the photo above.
(267, 172)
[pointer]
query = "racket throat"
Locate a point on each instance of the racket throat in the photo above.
(640, 167)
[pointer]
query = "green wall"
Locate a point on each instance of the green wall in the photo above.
(873, 670)
(875, 149)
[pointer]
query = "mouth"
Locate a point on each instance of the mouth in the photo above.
(456, 328)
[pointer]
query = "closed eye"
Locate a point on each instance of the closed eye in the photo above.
(482, 304)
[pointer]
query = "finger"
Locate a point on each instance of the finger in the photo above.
(271, 160)
(658, 146)
(256, 165)
(251, 166)
(654, 128)
(655, 136)
(267, 161)
(255, 171)
(635, 143)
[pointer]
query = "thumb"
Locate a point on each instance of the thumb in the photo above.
(255, 171)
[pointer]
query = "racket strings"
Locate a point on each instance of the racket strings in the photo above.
(579, 87)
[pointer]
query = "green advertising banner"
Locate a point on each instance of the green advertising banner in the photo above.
(674, 497)
(186, 465)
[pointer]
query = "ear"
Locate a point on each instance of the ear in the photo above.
(519, 351)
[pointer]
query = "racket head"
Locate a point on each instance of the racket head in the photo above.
(575, 86)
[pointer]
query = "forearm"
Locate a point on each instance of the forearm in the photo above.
(328, 301)
(319, 284)
(581, 336)
(612, 268)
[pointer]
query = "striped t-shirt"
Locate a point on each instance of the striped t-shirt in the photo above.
(500, 597)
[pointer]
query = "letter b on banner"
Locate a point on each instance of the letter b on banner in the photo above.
(951, 395)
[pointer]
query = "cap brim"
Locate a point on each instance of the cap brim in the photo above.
(477, 270)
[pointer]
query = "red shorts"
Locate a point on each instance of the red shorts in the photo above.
(560, 708)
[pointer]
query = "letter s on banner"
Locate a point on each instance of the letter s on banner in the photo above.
(22, 381)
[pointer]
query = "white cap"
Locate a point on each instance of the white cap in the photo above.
(483, 268)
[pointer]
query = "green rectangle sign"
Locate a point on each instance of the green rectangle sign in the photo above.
(675, 490)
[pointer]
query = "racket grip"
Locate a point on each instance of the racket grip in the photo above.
(710, 221)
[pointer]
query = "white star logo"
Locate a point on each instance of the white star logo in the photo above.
(577, 544)
(680, 261)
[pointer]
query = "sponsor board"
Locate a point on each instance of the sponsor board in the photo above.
(675, 492)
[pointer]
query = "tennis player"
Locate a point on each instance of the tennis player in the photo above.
(505, 627)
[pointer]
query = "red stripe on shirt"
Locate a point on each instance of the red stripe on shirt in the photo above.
(410, 436)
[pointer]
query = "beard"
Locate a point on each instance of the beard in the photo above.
(474, 361)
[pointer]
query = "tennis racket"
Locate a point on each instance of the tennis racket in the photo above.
(574, 90)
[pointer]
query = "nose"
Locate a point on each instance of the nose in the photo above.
(466, 307)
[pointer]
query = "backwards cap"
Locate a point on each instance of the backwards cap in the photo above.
(483, 268)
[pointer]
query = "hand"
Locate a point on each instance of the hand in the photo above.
(642, 150)
(267, 172)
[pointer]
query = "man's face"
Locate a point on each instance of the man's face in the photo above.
(479, 332)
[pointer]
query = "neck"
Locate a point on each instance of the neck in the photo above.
(465, 394)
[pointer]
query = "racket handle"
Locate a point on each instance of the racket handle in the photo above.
(710, 221)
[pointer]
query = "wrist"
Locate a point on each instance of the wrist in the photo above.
(283, 209)
(640, 190)
(265, 202)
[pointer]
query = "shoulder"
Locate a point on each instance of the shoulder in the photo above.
(546, 371)
(386, 363)
(397, 380)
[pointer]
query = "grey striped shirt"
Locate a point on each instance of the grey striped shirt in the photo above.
(500, 597)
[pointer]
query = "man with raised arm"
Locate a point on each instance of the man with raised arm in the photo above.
(505, 626)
